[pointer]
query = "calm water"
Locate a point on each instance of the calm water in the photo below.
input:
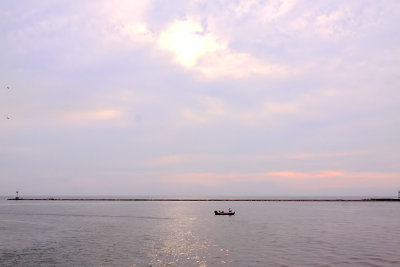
(188, 234)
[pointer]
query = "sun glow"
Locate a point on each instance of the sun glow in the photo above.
(188, 41)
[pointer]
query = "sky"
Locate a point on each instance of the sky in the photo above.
(200, 98)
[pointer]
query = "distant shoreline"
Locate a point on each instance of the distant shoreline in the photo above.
(205, 199)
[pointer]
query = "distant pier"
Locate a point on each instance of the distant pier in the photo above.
(205, 199)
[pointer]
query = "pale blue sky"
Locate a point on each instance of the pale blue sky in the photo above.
(200, 97)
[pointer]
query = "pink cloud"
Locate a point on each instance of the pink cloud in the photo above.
(292, 180)
(204, 179)
(321, 155)
(101, 114)
(285, 174)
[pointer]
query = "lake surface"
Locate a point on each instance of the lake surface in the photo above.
(83, 233)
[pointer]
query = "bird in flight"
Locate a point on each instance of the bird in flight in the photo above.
(8, 87)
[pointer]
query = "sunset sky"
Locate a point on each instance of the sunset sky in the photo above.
(200, 98)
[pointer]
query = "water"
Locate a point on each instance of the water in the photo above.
(83, 233)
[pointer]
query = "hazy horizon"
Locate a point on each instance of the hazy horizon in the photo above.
(251, 98)
(205, 196)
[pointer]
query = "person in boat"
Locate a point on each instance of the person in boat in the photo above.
(229, 210)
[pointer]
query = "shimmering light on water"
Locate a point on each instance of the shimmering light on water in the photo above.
(188, 234)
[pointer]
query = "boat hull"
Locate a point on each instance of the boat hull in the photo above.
(224, 213)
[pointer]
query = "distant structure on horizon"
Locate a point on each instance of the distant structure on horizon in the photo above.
(398, 194)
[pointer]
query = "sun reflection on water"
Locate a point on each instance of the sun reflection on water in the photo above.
(180, 244)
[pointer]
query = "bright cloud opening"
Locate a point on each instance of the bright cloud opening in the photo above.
(188, 41)
(194, 48)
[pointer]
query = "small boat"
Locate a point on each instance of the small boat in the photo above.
(224, 213)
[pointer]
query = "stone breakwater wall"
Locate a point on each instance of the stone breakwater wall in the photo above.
(201, 199)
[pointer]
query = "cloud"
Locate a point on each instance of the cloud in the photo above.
(210, 109)
(277, 8)
(227, 64)
(255, 161)
(265, 10)
(203, 179)
(207, 110)
(261, 92)
(306, 181)
(173, 159)
(335, 24)
(319, 155)
(271, 112)
(92, 115)
(138, 32)
(188, 41)
(126, 19)
(195, 48)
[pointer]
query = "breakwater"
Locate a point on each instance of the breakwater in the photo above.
(202, 199)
